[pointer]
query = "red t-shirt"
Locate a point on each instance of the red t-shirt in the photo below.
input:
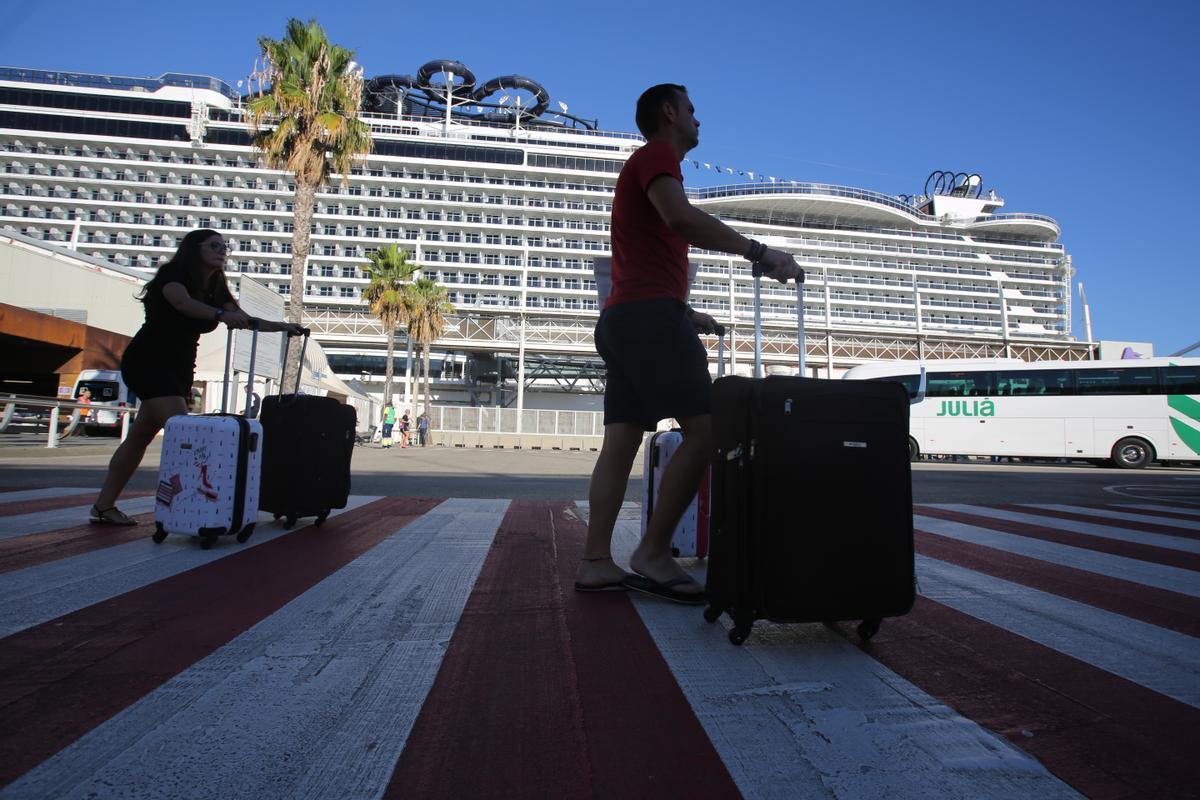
(649, 260)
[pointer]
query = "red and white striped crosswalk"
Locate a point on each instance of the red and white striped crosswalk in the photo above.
(415, 647)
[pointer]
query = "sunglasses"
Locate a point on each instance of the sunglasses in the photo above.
(219, 246)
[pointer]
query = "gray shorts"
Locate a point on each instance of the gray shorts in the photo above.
(657, 367)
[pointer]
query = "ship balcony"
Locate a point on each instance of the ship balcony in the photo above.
(817, 199)
(1036, 226)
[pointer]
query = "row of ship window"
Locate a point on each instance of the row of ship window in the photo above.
(101, 215)
(273, 184)
(573, 186)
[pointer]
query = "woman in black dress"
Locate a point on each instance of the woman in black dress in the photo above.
(187, 297)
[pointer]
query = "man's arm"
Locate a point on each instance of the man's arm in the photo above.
(706, 231)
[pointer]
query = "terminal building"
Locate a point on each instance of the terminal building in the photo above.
(505, 197)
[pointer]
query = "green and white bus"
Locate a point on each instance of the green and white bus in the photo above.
(1127, 413)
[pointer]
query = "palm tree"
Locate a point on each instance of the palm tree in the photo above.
(307, 124)
(389, 274)
(427, 309)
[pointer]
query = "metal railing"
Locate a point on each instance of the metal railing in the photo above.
(491, 426)
(56, 409)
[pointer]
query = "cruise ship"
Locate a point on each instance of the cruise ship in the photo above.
(505, 198)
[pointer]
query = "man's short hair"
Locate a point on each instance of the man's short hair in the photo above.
(649, 105)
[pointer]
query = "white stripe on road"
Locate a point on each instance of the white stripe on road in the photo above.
(1164, 661)
(1180, 543)
(38, 594)
(42, 521)
(798, 711)
(1173, 579)
(1108, 513)
(315, 701)
(1190, 512)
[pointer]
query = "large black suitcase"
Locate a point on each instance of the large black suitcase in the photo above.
(308, 442)
(811, 500)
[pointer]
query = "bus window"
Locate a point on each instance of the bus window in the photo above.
(1181, 380)
(1020, 382)
(909, 382)
(1117, 380)
(958, 384)
(102, 391)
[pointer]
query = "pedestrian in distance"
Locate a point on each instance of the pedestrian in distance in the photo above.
(423, 428)
(647, 336)
(405, 421)
(187, 297)
(388, 420)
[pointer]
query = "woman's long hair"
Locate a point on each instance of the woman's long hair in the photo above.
(187, 256)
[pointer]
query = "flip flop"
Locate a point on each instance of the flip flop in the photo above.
(640, 583)
(612, 586)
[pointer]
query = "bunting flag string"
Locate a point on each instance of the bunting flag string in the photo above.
(745, 173)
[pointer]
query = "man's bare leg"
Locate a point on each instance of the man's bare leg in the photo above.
(606, 493)
(652, 557)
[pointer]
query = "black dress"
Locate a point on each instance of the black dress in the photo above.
(161, 359)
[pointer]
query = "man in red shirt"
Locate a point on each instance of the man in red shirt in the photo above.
(647, 336)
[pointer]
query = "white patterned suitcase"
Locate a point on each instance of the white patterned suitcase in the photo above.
(208, 477)
(690, 539)
(209, 473)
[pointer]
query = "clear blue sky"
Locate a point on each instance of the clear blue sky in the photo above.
(1086, 112)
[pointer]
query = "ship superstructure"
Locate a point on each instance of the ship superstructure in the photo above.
(505, 198)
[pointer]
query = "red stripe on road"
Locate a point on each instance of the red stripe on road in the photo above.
(1156, 512)
(551, 693)
(61, 679)
(1146, 527)
(55, 503)
(1099, 544)
(1166, 609)
(1106, 736)
(21, 552)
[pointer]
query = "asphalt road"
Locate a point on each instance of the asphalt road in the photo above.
(554, 474)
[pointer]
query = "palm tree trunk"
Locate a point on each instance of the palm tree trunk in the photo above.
(387, 380)
(408, 370)
(302, 216)
(427, 398)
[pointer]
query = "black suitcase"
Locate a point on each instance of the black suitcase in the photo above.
(811, 500)
(308, 442)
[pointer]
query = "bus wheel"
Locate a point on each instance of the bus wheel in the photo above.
(914, 451)
(1132, 453)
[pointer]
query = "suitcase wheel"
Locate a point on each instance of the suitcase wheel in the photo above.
(160, 533)
(279, 516)
(712, 614)
(674, 552)
(868, 628)
(245, 533)
(738, 633)
(320, 520)
(289, 522)
(207, 542)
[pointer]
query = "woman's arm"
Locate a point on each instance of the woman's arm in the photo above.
(264, 325)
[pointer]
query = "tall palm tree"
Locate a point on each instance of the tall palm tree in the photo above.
(427, 309)
(307, 124)
(389, 273)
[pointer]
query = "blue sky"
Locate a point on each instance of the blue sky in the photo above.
(1085, 112)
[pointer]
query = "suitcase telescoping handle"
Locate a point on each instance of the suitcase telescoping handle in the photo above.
(757, 269)
(720, 350)
(229, 362)
(300, 367)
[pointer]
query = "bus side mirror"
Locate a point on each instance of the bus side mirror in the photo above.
(920, 395)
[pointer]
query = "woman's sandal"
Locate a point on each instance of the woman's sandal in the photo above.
(110, 516)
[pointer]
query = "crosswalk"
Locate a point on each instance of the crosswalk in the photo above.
(433, 647)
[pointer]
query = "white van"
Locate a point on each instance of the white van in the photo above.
(107, 390)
